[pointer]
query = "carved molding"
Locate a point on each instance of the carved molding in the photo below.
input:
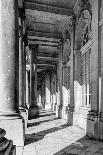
(82, 5)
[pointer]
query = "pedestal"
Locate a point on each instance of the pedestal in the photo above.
(33, 112)
(70, 115)
(93, 125)
(24, 114)
(14, 127)
(60, 111)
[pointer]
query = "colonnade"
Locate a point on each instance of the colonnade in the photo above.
(13, 109)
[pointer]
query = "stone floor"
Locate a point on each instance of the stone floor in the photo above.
(47, 135)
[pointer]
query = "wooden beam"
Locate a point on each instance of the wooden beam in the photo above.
(48, 51)
(43, 43)
(44, 39)
(47, 48)
(48, 55)
(40, 26)
(44, 34)
(46, 62)
(48, 8)
(40, 70)
(47, 58)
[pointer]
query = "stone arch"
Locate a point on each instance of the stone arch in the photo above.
(84, 22)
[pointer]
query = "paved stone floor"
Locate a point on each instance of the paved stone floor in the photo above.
(47, 135)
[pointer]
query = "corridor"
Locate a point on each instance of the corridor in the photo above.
(48, 135)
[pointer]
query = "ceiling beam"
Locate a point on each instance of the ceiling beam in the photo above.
(47, 58)
(40, 70)
(48, 55)
(44, 39)
(47, 51)
(44, 34)
(45, 65)
(40, 26)
(48, 8)
(43, 43)
(47, 62)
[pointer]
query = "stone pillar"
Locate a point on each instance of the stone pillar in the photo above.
(22, 69)
(60, 81)
(72, 73)
(101, 69)
(27, 89)
(10, 118)
(47, 91)
(33, 109)
(57, 89)
(93, 121)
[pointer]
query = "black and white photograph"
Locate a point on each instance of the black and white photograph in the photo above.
(51, 77)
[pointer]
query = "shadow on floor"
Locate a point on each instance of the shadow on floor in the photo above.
(31, 138)
(40, 122)
(84, 146)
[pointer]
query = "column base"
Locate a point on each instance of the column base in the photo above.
(59, 111)
(70, 115)
(24, 114)
(94, 125)
(14, 127)
(33, 112)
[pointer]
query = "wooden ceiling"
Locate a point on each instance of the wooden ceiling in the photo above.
(45, 20)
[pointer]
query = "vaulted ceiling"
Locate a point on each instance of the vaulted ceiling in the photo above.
(45, 20)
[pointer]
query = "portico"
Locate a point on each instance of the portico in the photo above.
(50, 58)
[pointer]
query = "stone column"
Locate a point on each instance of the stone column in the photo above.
(101, 69)
(72, 73)
(60, 78)
(10, 119)
(93, 121)
(33, 110)
(27, 89)
(47, 92)
(22, 69)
